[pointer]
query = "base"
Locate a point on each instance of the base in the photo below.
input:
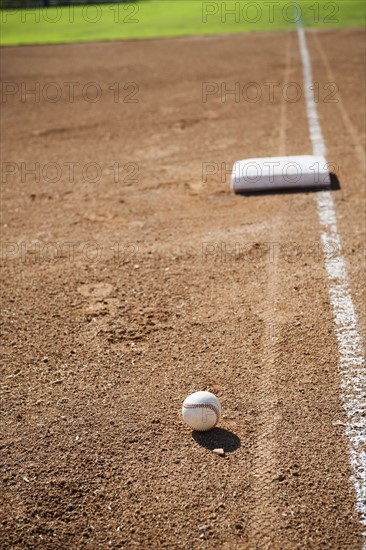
(265, 174)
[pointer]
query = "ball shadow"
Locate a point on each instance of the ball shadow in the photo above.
(217, 438)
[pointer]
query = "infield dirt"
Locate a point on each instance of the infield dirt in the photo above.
(122, 296)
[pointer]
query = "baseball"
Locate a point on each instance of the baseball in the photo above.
(201, 410)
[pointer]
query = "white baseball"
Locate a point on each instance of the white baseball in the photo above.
(201, 410)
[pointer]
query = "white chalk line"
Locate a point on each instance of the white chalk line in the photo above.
(350, 346)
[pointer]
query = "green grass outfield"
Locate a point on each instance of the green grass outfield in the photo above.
(166, 18)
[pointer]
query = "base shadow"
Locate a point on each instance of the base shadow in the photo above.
(217, 438)
(334, 186)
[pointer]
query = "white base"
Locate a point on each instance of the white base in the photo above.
(265, 174)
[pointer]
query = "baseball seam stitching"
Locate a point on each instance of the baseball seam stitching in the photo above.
(206, 406)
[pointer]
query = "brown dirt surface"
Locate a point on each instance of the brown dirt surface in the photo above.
(122, 296)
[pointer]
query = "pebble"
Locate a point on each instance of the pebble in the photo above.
(219, 452)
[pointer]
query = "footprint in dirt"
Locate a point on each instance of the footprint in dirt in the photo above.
(96, 291)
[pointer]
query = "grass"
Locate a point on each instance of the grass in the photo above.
(166, 18)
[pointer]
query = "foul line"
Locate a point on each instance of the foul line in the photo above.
(351, 357)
